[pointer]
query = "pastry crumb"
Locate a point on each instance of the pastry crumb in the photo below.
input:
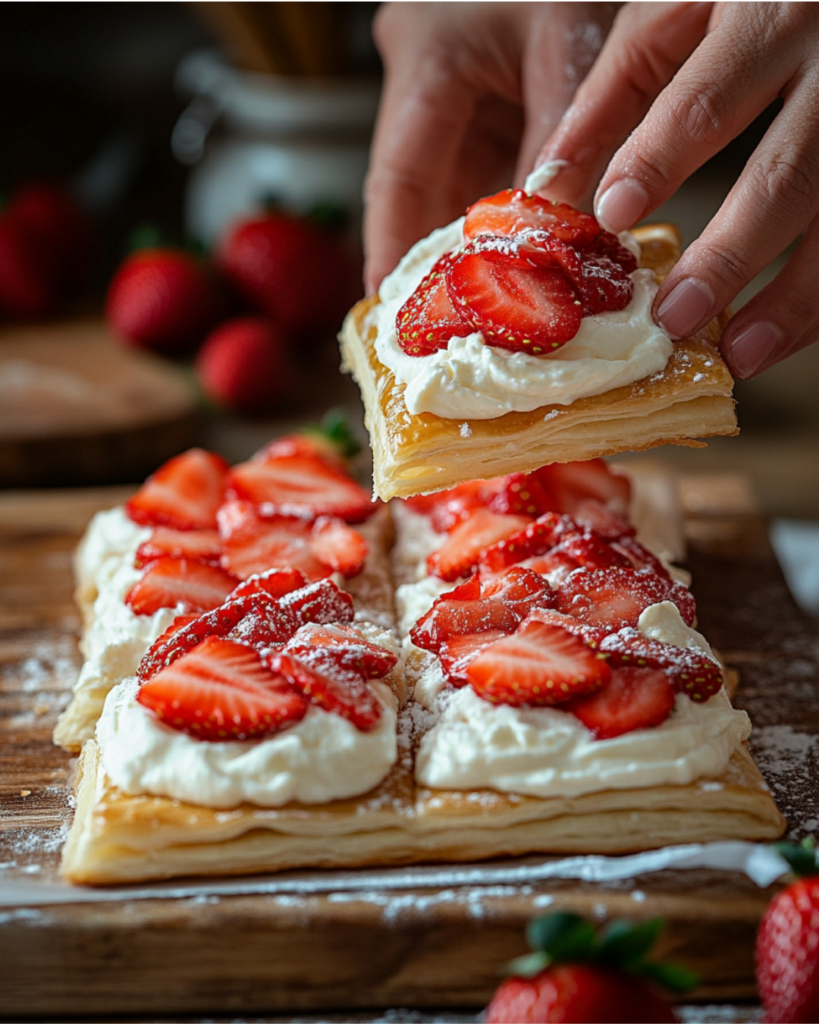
(25, 792)
(465, 430)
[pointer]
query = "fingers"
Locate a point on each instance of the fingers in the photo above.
(646, 46)
(781, 319)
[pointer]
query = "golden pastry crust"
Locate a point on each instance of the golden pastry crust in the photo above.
(414, 454)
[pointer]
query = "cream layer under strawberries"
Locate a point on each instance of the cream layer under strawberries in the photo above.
(321, 758)
(473, 380)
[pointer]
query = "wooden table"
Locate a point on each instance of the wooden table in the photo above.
(405, 938)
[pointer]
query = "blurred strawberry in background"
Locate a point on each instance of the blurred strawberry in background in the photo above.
(163, 299)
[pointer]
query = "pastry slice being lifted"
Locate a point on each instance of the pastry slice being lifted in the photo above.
(521, 335)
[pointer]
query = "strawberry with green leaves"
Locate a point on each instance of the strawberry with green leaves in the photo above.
(576, 974)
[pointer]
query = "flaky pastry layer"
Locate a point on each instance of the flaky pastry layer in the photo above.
(414, 454)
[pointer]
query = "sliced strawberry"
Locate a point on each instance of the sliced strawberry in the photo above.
(427, 320)
(615, 598)
(591, 635)
(608, 245)
(172, 582)
(252, 545)
(635, 698)
(574, 482)
(538, 665)
(320, 602)
(221, 691)
(591, 552)
(690, 671)
(184, 494)
(300, 485)
(462, 611)
(338, 545)
(535, 538)
(312, 445)
(334, 688)
(188, 631)
(520, 589)
(202, 545)
(532, 310)
(461, 550)
(273, 583)
(265, 626)
(555, 565)
(459, 651)
(602, 283)
(522, 494)
(317, 645)
(639, 557)
(512, 211)
(595, 516)
(458, 503)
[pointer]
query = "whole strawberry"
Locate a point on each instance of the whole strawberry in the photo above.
(245, 364)
(162, 299)
(787, 943)
(29, 287)
(577, 975)
(57, 226)
(291, 270)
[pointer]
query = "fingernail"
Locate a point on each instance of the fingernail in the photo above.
(751, 347)
(685, 307)
(621, 205)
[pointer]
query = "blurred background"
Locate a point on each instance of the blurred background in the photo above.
(155, 157)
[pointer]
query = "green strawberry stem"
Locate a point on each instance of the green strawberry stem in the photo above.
(335, 429)
(803, 858)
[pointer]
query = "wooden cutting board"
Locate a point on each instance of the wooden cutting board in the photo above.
(77, 407)
(249, 947)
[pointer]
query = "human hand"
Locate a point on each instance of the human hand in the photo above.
(451, 126)
(685, 79)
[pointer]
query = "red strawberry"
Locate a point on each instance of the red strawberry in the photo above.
(245, 364)
(591, 552)
(535, 538)
(275, 262)
(617, 597)
(184, 493)
(539, 665)
(29, 289)
(338, 545)
(201, 545)
(513, 211)
(634, 698)
(458, 652)
(57, 226)
(639, 557)
(458, 503)
(333, 687)
(690, 671)
(427, 320)
(593, 636)
(168, 582)
(574, 482)
(163, 300)
(578, 992)
(265, 626)
(460, 611)
(787, 950)
(522, 494)
(272, 583)
(601, 282)
(317, 645)
(252, 545)
(555, 565)
(608, 246)
(320, 602)
(520, 589)
(463, 547)
(595, 516)
(313, 444)
(531, 310)
(221, 691)
(301, 485)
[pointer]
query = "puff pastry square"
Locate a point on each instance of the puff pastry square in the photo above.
(415, 454)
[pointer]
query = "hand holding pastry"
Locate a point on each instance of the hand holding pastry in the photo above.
(673, 85)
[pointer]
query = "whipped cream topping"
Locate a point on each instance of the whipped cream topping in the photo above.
(474, 380)
(321, 758)
(110, 534)
(548, 752)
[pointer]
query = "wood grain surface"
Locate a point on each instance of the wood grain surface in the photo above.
(150, 952)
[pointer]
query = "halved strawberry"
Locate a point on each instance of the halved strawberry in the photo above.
(320, 602)
(463, 547)
(574, 482)
(634, 698)
(535, 538)
(171, 582)
(202, 545)
(427, 320)
(539, 665)
(532, 310)
(460, 611)
(272, 583)
(690, 671)
(522, 494)
(513, 211)
(615, 598)
(252, 545)
(184, 493)
(458, 652)
(338, 545)
(318, 645)
(334, 688)
(300, 485)
(221, 691)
